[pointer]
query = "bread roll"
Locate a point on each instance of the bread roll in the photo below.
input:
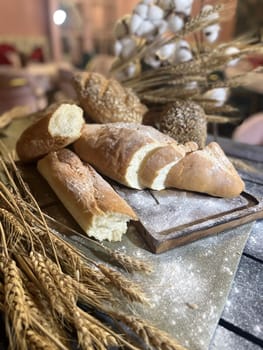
(157, 164)
(97, 208)
(58, 127)
(208, 171)
(107, 101)
(117, 150)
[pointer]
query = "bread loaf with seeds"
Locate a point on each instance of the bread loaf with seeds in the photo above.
(106, 100)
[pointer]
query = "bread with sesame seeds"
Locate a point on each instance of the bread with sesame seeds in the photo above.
(208, 171)
(93, 203)
(60, 125)
(106, 100)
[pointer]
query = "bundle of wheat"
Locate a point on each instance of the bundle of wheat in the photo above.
(165, 55)
(51, 293)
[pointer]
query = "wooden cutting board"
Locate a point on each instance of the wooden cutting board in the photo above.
(170, 218)
(167, 218)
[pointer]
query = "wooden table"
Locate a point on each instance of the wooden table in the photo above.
(241, 323)
(240, 326)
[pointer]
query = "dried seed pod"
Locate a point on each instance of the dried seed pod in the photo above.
(107, 101)
(184, 121)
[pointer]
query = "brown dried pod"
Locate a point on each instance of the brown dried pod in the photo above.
(185, 121)
(106, 100)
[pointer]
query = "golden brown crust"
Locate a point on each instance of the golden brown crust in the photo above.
(37, 140)
(83, 191)
(208, 171)
(110, 147)
(155, 161)
(107, 101)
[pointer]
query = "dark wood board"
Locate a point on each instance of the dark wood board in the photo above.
(167, 218)
(171, 218)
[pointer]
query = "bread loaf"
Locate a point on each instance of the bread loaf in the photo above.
(208, 171)
(117, 150)
(58, 127)
(157, 164)
(97, 208)
(106, 100)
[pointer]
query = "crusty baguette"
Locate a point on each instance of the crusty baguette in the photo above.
(106, 100)
(118, 149)
(97, 208)
(208, 171)
(58, 127)
(157, 164)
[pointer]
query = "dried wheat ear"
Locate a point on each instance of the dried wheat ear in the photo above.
(51, 294)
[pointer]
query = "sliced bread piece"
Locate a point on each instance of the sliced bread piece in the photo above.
(208, 171)
(117, 150)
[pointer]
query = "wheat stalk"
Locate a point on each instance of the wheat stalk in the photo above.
(16, 311)
(151, 336)
(126, 287)
(38, 342)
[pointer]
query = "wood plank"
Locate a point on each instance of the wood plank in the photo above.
(244, 307)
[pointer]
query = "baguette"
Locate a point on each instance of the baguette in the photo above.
(157, 164)
(207, 171)
(59, 126)
(97, 208)
(117, 150)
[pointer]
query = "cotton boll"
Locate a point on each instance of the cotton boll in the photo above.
(155, 13)
(213, 16)
(132, 70)
(230, 51)
(142, 10)
(166, 5)
(135, 23)
(212, 33)
(152, 60)
(166, 52)
(128, 46)
(184, 6)
(122, 27)
(145, 28)
(147, 2)
(162, 26)
(219, 95)
(117, 47)
(175, 23)
(183, 52)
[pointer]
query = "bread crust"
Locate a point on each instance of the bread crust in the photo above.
(159, 159)
(208, 171)
(37, 140)
(111, 147)
(81, 189)
(106, 100)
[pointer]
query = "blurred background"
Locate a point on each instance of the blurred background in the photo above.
(43, 42)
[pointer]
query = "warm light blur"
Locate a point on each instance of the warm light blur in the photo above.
(59, 17)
